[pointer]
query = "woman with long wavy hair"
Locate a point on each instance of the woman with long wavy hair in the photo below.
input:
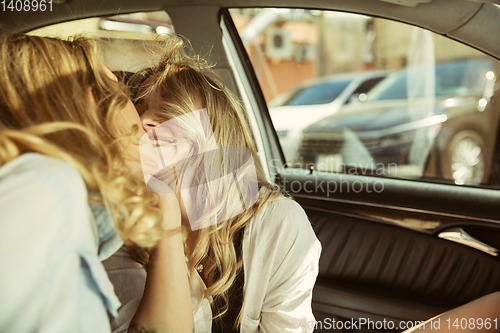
(239, 227)
(70, 195)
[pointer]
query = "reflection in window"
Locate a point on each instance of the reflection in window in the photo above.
(452, 78)
(432, 117)
(321, 93)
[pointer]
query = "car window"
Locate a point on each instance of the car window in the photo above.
(429, 113)
(320, 93)
(464, 77)
(393, 87)
(129, 42)
(364, 88)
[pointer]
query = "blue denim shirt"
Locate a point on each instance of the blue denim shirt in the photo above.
(51, 246)
(109, 241)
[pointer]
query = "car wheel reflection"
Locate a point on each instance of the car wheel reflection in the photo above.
(467, 158)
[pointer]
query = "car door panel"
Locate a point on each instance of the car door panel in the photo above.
(391, 257)
(443, 198)
(382, 257)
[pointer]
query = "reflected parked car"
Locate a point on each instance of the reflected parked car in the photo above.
(313, 100)
(398, 133)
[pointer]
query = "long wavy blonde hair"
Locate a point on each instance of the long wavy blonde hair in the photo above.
(182, 83)
(45, 106)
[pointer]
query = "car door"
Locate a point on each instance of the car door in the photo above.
(397, 248)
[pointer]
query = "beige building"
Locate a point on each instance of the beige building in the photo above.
(393, 40)
(337, 43)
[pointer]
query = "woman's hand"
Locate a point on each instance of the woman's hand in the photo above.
(166, 302)
(171, 211)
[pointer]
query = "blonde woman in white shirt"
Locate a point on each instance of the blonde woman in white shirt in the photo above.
(196, 123)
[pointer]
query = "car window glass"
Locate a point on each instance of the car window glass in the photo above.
(321, 93)
(393, 87)
(364, 88)
(430, 113)
(129, 42)
(451, 78)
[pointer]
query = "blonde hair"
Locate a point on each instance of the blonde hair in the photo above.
(46, 108)
(182, 83)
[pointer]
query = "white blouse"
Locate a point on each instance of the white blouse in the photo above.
(280, 258)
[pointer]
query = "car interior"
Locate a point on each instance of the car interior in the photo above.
(401, 248)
